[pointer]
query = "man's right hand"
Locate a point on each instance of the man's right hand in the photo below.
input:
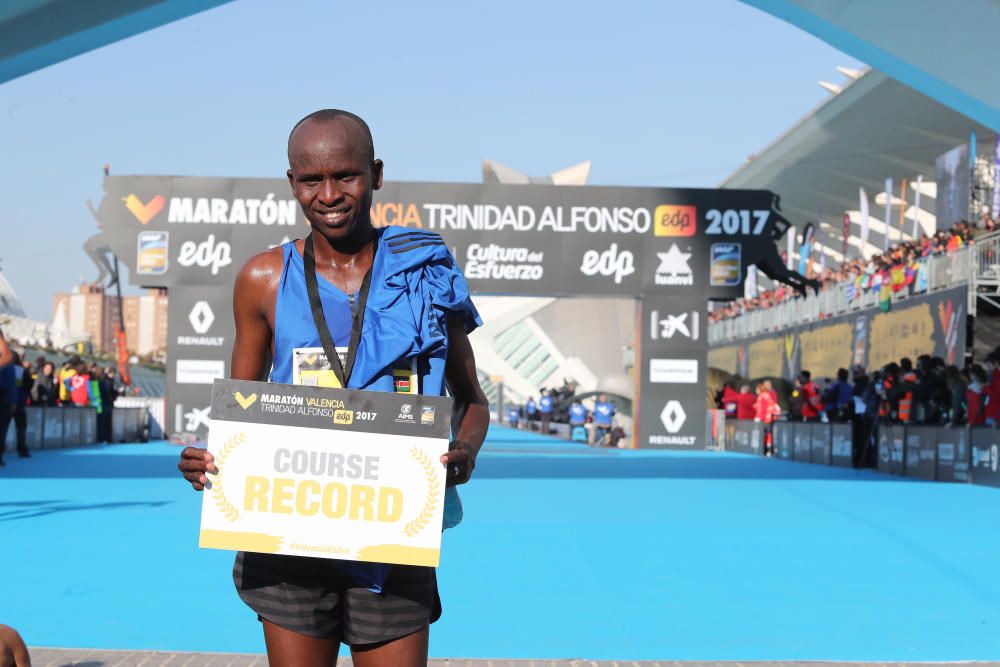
(194, 465)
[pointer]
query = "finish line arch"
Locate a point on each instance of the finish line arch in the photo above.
(672, 249)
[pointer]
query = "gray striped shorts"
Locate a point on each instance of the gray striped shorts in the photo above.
(313, 597)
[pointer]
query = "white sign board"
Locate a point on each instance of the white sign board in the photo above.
(326, 473)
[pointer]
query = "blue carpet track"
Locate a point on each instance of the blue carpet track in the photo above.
(566, 552)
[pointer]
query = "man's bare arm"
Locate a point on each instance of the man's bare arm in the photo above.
(471, 407)
(253, 305)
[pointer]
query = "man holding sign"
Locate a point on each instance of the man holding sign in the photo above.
(358, 308)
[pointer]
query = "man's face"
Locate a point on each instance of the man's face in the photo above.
(332, 175)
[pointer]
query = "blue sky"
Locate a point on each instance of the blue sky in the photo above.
(655, 93)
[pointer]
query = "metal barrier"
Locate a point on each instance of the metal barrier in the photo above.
(933, 453)
(941, 272)
(56, 428)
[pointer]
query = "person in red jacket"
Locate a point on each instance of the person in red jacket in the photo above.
(729, 400)
(745, 403)
(812, 408)
(78, 386)
(991, 391)
(974, 397)
(766, 410)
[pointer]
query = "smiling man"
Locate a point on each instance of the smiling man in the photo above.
(386, 310)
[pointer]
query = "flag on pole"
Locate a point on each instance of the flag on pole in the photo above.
(902, 209)
(888, 214)
(916, 207)
(821, 245)
(864, 221)
(790, 245)
(805, 250)
(847, 234)
(750, 285)
(996, 178)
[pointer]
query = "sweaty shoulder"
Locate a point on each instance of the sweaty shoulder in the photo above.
(262, 272)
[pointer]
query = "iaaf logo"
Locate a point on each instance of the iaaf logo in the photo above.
(611, 262)
(206, 254)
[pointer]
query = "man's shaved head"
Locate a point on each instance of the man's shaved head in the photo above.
(324, 116)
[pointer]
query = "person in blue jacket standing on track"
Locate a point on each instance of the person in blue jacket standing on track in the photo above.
(604, 414)
(545, 409)
(577, 417)
(398, 305)
(530, 411)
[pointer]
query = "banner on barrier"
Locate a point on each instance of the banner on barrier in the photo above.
(803, 442)
(783, 444)
(953, 455)
(841, 447)
(820, 450)
(985, 456)
(921, 451)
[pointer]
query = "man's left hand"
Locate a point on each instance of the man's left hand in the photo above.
(459, 463)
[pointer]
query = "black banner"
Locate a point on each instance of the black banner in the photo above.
(891, 448)
(985, 456)
(821, 444)
(193, 234)
(784, 440)
(803, 442)
(953, 455)
(673, 372)
(840, 445)
(746, 437)
(344, 409)
(921, 451)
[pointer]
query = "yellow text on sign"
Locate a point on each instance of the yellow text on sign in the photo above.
(336, 500)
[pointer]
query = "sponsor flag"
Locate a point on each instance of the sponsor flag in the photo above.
(902, 209)
(916, 207)
(805, 250)
(750, 285)
(821, 247)
(847, 234)
(864, 220)
(888, 214)
(995, 211)
(790, 248)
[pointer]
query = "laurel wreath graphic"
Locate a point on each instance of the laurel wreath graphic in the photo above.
(422, 520)
(218, 493)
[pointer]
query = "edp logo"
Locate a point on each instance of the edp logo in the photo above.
(611, 262)
(207, 254)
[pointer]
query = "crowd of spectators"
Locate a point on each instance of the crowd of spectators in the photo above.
(929, 391)
(903, 267)
(75, 383)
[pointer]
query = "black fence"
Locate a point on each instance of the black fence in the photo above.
(942, 453)
(55, 428)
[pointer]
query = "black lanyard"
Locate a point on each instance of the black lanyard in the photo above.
(358, 314)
